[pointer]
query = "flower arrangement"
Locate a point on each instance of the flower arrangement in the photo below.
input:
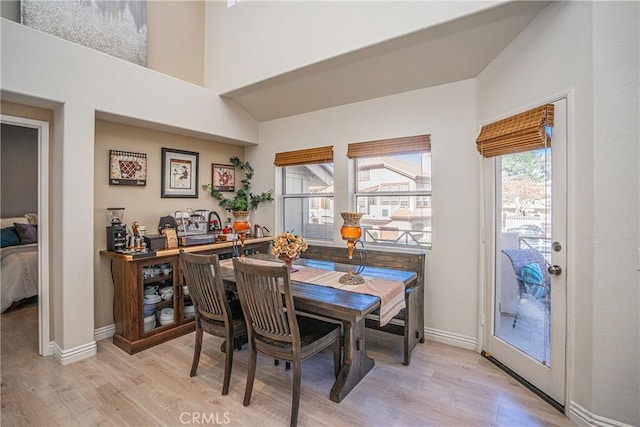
(288, 245)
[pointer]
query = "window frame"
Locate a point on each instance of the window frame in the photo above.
(305, 196)
(361, 200)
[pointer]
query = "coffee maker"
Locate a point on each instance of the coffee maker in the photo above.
(117, 231)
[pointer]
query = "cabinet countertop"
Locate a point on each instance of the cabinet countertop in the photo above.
(176, 251)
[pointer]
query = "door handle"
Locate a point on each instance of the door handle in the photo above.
(554, 269)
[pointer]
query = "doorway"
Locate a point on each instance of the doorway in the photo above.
(42, 128)
(525, 299)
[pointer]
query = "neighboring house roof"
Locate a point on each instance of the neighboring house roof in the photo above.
(401, 167)
(401, 214)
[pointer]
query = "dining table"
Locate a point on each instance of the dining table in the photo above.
(344, 305)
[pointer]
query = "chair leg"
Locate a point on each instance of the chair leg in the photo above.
(228, 364)
(337, 356)
(515, 318)
(196, 352)
(251, 373)
(295, 401)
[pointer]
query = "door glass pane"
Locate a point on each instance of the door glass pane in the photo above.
(523, 251)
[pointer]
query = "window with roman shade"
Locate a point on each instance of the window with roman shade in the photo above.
(516, 134)
(307, 191)
(393, 190)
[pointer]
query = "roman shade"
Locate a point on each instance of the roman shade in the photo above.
(305, 157)
(522, 132)
(385, 147)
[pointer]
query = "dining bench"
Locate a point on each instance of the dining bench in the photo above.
(409, 322)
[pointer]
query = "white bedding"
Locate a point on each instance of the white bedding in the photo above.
(18, 273)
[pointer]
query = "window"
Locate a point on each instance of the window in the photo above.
(307, 192)
(395, 200)
(363, 175)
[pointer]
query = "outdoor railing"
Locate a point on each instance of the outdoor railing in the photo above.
(395, 236)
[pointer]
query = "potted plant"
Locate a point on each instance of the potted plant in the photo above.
(244, 201)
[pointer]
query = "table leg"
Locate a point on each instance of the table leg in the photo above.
(356, 363)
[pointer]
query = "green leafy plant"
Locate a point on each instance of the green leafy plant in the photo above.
(243, 200)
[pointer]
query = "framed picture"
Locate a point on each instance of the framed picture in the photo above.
(223, 177)
(127, 168)
(179, 173)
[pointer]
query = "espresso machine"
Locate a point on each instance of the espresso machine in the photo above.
(215, 225)
(117, 231)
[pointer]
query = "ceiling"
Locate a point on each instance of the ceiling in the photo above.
(450, 52)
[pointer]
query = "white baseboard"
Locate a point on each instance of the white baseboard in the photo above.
(104, 332)
(66, 357)
(457, 340)
(583, 417)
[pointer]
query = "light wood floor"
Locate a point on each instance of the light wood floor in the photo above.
(443, 386)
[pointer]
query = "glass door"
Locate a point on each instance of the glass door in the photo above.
(528, 296)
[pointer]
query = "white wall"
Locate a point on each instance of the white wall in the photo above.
(616, 210)
(589, 50)
(79, 82)
(43, 66)
(255, 40)
(448, 114)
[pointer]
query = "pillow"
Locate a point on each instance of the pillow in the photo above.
(533, 278)
(28, 233)
(9, 237)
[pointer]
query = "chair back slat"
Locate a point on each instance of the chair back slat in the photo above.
(266, 309)
(204, 281)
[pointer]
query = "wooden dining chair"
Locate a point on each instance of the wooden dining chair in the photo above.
(214, 314)
(274, 328)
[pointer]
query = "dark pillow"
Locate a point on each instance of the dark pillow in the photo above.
(28, 233)
(9, 237)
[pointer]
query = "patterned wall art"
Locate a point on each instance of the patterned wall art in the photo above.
(115, 27)
(127, 168)
(223, 177)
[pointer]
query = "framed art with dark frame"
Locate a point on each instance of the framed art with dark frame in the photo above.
(179, 173)
(127, 168)
(223, 177)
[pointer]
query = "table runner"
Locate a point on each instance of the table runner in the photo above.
(390, 292)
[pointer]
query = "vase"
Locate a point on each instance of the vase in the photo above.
(288, 261)
(351, 231)
(241, 222)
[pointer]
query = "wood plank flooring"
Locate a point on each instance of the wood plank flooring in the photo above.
(443, 386)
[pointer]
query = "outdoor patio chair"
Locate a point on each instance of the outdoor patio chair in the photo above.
(534, 280)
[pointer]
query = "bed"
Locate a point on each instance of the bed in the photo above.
(18, 259)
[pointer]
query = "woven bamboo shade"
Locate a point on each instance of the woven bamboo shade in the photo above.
(516, 134)
(305, 157)
(385, 147)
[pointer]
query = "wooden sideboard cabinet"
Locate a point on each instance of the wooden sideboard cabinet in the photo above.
(159, 274)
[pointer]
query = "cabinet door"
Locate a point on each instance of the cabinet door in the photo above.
(158, 295)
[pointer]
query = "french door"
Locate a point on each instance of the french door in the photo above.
(526, 298)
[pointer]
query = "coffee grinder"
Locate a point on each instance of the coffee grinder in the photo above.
(117, 231)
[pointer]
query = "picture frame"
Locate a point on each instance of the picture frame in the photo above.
(127, 168)
(223, 177)
(179, 174)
